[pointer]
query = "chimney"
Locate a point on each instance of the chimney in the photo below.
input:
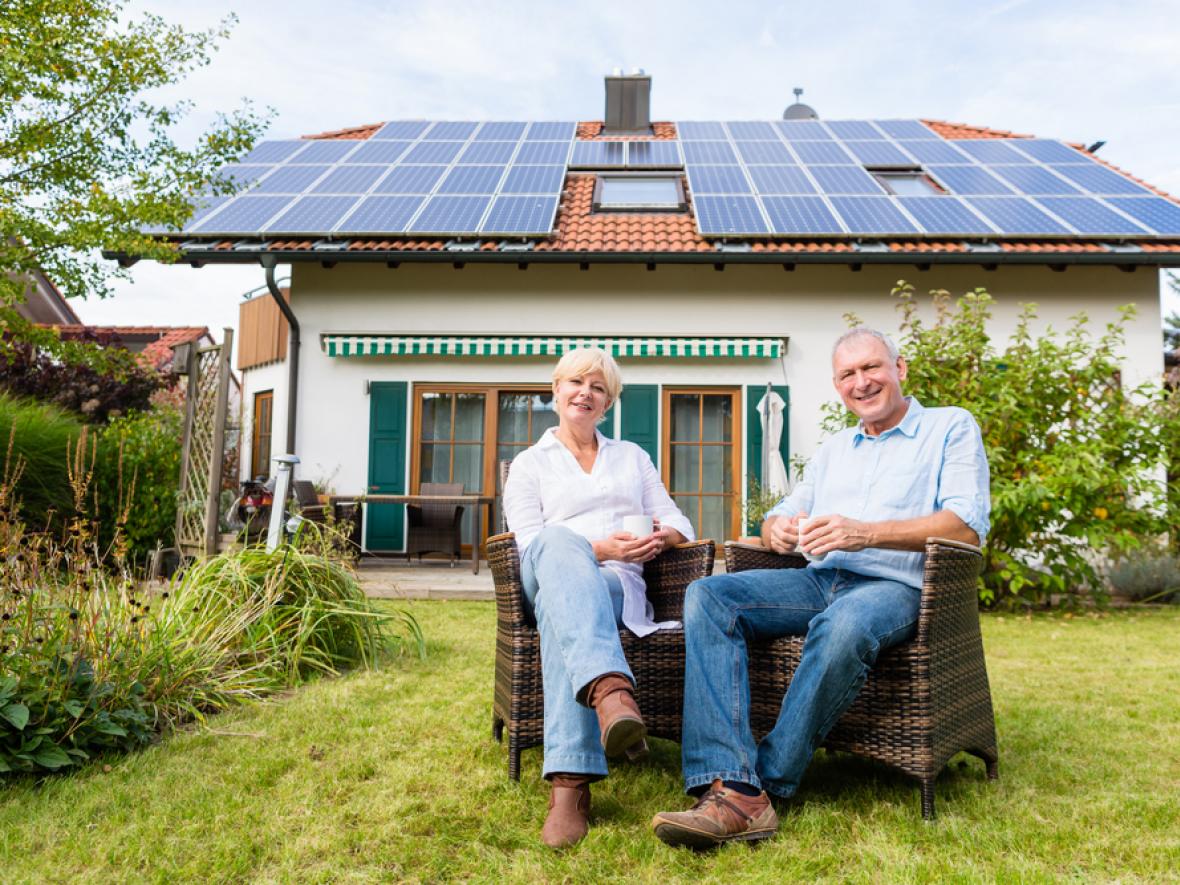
(628, 103)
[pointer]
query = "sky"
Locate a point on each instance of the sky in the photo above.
(1078, 70)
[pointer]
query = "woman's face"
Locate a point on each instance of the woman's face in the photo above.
(581, 400)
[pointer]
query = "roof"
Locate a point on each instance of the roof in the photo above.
(582, 235)
(157, 342)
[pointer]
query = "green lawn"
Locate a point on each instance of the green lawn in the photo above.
(393, 776)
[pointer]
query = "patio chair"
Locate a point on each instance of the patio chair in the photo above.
(924, 700)
(345, 513)
(435, 527)
(308, 500)
(657, 660)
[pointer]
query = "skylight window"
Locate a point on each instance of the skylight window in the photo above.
(639, 193)
(906, 183)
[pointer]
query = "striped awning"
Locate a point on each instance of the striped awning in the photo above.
(548, 346)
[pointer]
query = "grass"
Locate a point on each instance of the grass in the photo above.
(392, 775)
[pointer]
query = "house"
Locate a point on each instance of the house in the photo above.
(44, 302)
(439, 269)
(154, 345)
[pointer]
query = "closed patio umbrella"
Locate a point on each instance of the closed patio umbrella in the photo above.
(774, 471)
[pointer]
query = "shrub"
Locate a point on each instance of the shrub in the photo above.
(1076, 459)
(1151, 576)
(40, 439)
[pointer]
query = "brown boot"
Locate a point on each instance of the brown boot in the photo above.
(569, 811)
(720, 815)
(619, 720)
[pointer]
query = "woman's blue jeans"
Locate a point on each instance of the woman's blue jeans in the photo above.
(847, 618)
(577, 605)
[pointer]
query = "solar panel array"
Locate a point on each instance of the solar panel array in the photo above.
(833, 178)
(413, 178)
(804, 178)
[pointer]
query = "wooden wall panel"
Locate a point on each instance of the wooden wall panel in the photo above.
(262, 332)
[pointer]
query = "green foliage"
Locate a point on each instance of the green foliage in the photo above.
(759, 502)
(38, 440)
(1076, 459)
(1172, 320)
(87, 159)
(1153, 575)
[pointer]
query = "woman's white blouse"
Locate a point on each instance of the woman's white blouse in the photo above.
(546, 486)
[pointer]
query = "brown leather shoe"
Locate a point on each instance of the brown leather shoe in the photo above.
(720, 815)
(569, 811)
(619, 721)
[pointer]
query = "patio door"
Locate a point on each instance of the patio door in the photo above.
(450, 444)
(702, 461)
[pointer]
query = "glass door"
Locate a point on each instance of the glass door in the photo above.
(521, 417)
(701, 458)
(451, 444)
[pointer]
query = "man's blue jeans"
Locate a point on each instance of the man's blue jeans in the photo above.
(847, 618)
(578, 606)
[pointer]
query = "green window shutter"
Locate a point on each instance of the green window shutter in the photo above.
(387, 464)
(607, 426)
(754, 395)
(640, 404)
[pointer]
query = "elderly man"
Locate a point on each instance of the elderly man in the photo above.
(873, 494)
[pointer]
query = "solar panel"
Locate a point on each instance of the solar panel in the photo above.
(326, 151)
(410, 180)
(1033, 180)
(433, 152)
(1048, 151)
(488, 152)
(803, 130)
(202, 207)
(548, 131)
(907, 129)
(508, 131)
(240, 174)
(472, 180)
(274, 151)
(311, 215)
(969, 180)
(1098, 179)
(934, 152)
(845, 180)
(850, 129)
(773, 153)
(520, 215)
(533, 180)
(720, 216)
(543, 152)
(654, 153)
(349, 180)
(945, 215)
(752, 131)
(598, 154)
(1161, 215)
(801, 215)
(821, 152)
(446, 130)
(1089, 215)
(709, 152)
(381, 214)
(879, 153)
(990, 150)
(781, 180)
(875, 215)
(401, 129)
(450, 215)
(694, 131)
(1016, 215)
(290, 179)
(718, 180)
(242, 215)
(379, 151)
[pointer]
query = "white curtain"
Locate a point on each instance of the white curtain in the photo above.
(770, 408)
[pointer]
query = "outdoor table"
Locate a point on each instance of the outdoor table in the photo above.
(479, 502)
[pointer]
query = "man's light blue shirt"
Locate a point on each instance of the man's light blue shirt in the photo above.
(933, 460)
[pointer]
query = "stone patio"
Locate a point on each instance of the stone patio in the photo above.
(389, 578)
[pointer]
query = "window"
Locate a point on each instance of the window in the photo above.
(260, 446)
(701, 459)
(639, 193)
(907, 183)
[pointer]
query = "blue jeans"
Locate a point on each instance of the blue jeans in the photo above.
(578, 606)
(847, 618)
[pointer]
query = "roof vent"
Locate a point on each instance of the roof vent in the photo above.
(799, 110)
(628, 103)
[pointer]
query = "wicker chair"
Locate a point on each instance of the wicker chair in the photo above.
(657, 660)
(435, 528)
(924, 700)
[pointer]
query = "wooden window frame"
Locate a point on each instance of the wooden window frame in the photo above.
(267, 396)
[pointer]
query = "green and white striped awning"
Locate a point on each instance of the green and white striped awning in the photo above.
(335, 344)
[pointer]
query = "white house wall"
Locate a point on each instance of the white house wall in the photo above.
(806, 306)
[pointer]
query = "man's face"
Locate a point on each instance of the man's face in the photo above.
(869, 382)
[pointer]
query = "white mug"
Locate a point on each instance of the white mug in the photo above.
(801, 527)
(640, 526)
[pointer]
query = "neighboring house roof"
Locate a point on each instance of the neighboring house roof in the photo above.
(153, 344)
(44, 303)
(582, 234)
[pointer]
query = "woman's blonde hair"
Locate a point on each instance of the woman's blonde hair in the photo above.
(582, 360)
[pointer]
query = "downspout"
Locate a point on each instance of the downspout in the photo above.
(269, 262)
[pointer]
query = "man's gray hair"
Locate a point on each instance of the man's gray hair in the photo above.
(865, 331)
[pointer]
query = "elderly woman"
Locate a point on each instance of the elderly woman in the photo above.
(565, 499)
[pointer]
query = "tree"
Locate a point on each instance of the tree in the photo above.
(87, 159)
